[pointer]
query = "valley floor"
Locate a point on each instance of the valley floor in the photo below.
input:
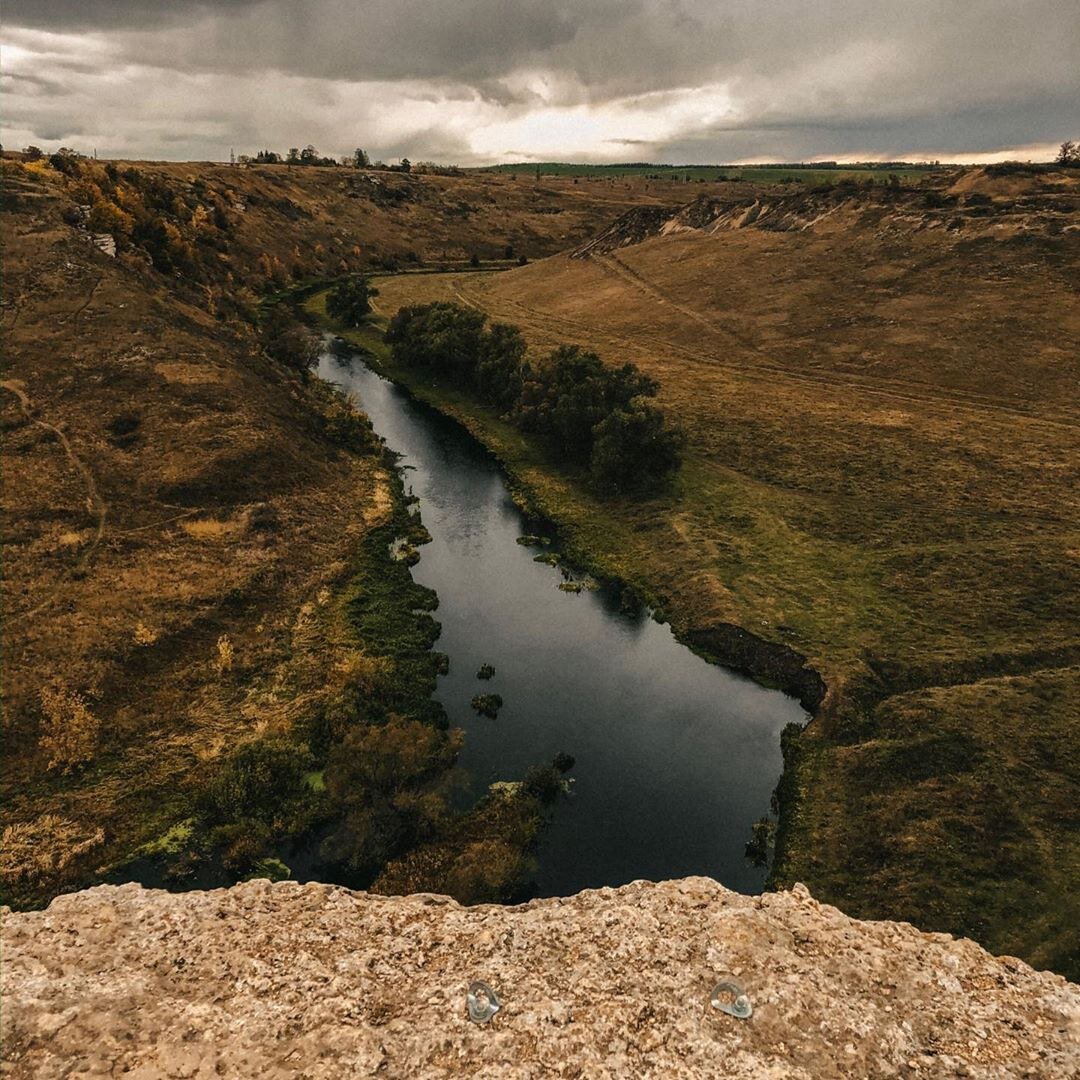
(882, 474)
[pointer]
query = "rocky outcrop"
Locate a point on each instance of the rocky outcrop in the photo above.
(316, 981)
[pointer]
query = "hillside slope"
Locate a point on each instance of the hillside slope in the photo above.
(172, 500)
(880, 393)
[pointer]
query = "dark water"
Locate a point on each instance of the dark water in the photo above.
(675, 757)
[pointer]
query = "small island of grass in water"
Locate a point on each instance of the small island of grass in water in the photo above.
(487, 704)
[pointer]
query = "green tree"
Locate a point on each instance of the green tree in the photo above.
(498, 374)
(633, 451)
(289, 343)
(349, 301)
(443, 337)
(262, 781)
(565, 398)
(360, 160)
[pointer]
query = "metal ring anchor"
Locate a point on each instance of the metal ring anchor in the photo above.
(739, 1006)
(483, 1003)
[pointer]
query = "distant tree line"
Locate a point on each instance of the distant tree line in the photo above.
(358, 159)
(587, 413)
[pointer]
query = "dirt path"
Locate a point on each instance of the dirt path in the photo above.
(761, 369)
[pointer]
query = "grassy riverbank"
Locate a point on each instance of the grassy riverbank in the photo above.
(938, 781)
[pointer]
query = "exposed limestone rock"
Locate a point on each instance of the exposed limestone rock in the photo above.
(316, 981)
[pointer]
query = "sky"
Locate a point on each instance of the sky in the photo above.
(474, 82)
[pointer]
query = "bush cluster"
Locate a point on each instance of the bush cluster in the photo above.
(350, 300)
(184, 227)
(587, 413)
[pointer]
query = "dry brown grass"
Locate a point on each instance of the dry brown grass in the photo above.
(69, 730)
(210, 529)
(129, 596)
(35, 850)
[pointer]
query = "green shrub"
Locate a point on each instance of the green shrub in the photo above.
(587, 412)
(262, 781)
(349, 302)
(487, 704)
(291, 344)
(633, 451)
(544, 782)
(387, 782)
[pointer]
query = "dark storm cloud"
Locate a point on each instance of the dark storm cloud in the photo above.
(784, 78)
(110, 14)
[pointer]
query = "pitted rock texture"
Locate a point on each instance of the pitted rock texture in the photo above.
(316, 981)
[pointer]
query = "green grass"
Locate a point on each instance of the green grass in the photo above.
(982, 778)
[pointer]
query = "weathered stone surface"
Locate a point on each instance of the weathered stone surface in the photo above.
(316, 981)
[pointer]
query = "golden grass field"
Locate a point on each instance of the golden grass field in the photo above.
(883, 473)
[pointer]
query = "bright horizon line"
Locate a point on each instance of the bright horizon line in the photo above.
(1040, 154)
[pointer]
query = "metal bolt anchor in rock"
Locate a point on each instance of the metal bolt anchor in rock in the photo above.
(482, 1002)
(729, 996)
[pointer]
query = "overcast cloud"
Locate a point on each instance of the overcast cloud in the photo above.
(473, 81)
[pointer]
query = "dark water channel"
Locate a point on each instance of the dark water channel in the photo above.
(675, 757)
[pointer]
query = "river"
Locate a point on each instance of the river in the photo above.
(675, 757)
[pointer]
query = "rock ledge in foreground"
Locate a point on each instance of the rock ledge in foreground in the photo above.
(286, 980)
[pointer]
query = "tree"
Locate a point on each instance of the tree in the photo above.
(349, 301)
(388, 780)
(564, 399)
(309, 155)
(33, 153)
(65, 161)
(406, 165)
(293, 156)
(441, 336)
(291, 344)
(263, 781)
(497, 376)
(1069, 154)
(360, 160)
(633, 451)
(588, 412)
(106, 217)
